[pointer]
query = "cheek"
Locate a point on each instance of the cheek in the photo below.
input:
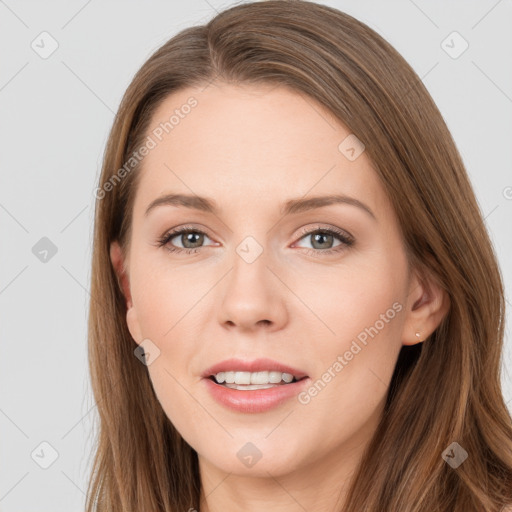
(361, 308)
(344, 302)
(165, 296)
(166, 306)
(169, 372)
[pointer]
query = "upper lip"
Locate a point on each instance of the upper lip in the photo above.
(257, 365)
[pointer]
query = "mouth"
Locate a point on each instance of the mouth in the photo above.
(253, 387)
(253, 375)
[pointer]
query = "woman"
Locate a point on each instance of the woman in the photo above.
(235, 367)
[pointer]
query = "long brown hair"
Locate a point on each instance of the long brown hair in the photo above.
(444, 390)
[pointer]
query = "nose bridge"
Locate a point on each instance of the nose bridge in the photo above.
(252, 294)
(251, 249)
(250, 263)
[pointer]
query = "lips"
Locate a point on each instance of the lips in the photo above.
(257, 365)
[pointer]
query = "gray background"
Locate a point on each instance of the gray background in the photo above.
(56, 113)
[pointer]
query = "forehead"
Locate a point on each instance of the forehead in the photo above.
(251, 145)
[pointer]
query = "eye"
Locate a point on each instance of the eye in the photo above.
(191, 239)
(322, 240)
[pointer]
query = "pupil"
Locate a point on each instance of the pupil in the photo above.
(189, 238)
(320, 236)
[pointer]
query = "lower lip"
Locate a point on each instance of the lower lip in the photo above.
(256, 400)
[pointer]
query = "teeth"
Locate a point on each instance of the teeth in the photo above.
(248, 378)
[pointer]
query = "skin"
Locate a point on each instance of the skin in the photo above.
(250, 148)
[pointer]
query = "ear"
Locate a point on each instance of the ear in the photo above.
(117, 259)
(426, 306)
(120, 268)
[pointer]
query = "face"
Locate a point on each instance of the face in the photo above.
(322, 290)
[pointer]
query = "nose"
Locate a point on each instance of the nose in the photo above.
(253, 296)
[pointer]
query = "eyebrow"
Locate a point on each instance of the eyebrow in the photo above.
(290, 207)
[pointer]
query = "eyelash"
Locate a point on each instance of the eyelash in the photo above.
(345, 238)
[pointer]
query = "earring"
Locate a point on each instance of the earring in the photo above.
(417, 336)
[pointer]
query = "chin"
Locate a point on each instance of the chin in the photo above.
(255, 458)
